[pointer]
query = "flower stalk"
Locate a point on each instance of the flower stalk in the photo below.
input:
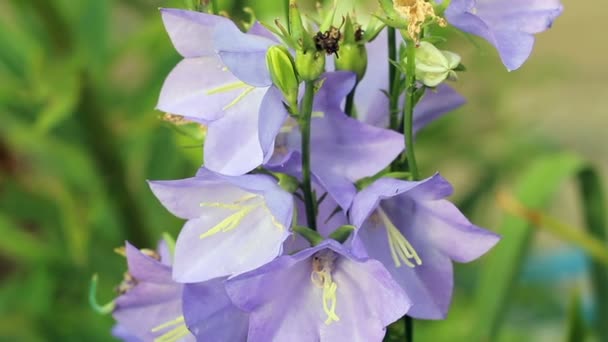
(408, 110)
(305, 121)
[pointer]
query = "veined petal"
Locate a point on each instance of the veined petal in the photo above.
(210, 315)
(344, 148)
(191, 32)
(244, 54)
(436, 103)
(451, 232)
(144, 268)
(183, 197)
(202, 254)
(508, 25)
(272, 116)
(232, 146)
(200, 88)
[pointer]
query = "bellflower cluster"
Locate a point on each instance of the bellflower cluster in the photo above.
(307, 220)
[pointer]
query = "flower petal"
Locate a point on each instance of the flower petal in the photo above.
(244, 54)
(254, 241)
(210, 315)
(191, 32)
(199, 88)
(232, 146)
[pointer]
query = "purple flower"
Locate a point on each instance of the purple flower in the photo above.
(319, 294)
(210, 314)
(343, 150)
(416, 233)
(150, 307)
(235, 224)
(509, 25)
(222, 82)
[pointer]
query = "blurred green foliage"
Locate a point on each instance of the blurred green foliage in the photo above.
(79, 136)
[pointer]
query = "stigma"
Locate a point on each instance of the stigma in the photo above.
(322, 267)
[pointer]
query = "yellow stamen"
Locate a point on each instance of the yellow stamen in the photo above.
(230, 222)
(230, 87)
(401, 249)
(227, 87)
(242, 208)
(178, 331)
(241, 96)
(322, 266)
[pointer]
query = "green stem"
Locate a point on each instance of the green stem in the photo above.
(393, 80)
(305, 120)
(350, 103)
(408, 110)
(409, 328)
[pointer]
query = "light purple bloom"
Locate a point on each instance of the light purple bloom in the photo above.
(151, 306)
(210, 314)
(235, 224)
(509, 25)
(343, 150)
(222, 82)
(322, 293)
(416, 234)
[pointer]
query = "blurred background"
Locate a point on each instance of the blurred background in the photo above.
(79, 136)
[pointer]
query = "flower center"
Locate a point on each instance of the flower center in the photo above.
(242, 207)
(175, 329)
(322, 266)
(401, 249)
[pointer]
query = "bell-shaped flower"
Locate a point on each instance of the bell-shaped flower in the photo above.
(235, 224)
(222, 82)
(210, 314)
(343, 150)
(150, 305)
(416, 234)
(323, 293)
(509, 25)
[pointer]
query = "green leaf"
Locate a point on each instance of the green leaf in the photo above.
(503, 265)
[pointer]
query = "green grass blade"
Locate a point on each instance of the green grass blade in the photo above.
(594, 210)
(504, 263)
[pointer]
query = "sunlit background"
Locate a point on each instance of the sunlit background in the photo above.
(79, 136)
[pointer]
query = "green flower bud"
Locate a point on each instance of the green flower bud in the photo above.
(434, 66)
(282, 72)
(310, 64)
(353, 57)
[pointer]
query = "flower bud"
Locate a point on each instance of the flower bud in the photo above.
(353, 57)
(283, 74)
(434, 66)
(310, 64)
